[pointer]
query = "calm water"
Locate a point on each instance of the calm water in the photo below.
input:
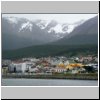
(47, 82)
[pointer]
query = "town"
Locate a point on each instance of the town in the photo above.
(50, 65)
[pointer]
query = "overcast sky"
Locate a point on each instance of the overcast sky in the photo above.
(61, 18)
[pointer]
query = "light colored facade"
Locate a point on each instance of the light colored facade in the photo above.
(74, 71)
(17, 67)
(66, 63)
(59, 70)
(55, 62)
(33, 70)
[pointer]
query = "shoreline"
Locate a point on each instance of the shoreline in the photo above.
(68, 76)
(55, 79)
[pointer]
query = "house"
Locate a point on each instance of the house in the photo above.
(74, 71)
(30, 59)
(59, 70)
(66, 63)
(4, 69)
(95, 66)
(69, 67)
(44, 63)
(54, 62)
(61, 64)
(6, 62)
(74, 65)
(96, 59)
(29, 66)
(86, 59)
(34, 70)
(18, 67)
(82, 70)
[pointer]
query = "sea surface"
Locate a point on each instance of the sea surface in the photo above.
(47, 82)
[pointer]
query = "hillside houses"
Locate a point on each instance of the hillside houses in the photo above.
(6, 62)
(47, 65)
(87, 59)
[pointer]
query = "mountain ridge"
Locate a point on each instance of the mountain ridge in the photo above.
(21, 32)
(86, 33)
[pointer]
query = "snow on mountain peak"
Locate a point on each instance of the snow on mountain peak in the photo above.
(42, 23)
(62, 28)
(26, 25)
(56, 29)
(50, 26)
(70, 28)
(12, 19)
(65, 28)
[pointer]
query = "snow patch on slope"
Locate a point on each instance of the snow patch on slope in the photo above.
(56, 29)
(61, 29)
(42, 24)
(27, 25)
(65, 28)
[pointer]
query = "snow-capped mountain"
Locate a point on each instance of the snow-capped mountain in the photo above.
(22, 32)
(49, 26)
(81, 41)
(58, 28)
(84, 34)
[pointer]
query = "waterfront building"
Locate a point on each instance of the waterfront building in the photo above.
(60, 70)
(18, 67)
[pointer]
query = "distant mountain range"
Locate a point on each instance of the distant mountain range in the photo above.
(21, 32)
(41, 38)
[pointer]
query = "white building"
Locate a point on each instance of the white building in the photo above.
(33, 70)
(66, 63)
(55, 62)
(74, 71)
(18, 67)
(59, 70)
